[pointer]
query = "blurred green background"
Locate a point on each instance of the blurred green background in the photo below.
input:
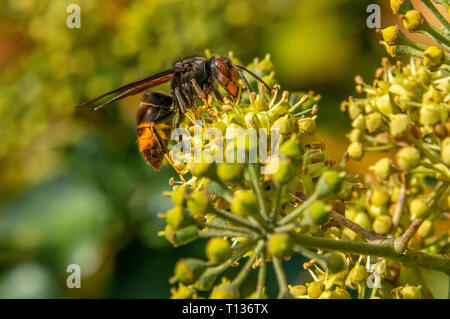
(73, 186)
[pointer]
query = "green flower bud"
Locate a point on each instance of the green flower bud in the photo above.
(373, 122)
(426, 229)
(285, 172)
(390, 34)
(350, 234)
(412, 20)
(317, 214)
(279, 245)
(363, 220)
(379, 197)
(179, 196)
(445, 151)
(356, 151)
(359, 122)
(200, 169)
(291, 148)
(408, 158)
(417, 208)
(183, 292)
(382, 224)
(411, 292)
(315, 289)
(298, 290)
(175, 217)
(198, 203)
(355, 135)
(188, 270)
(181, 236)
(429, 115)
(384, 104)
(357, 274)
(382, 168)
(218, 250)
(333, 233)
(285, 124)
(244, 203)
(329, 182)
(433, 57)
(431, 96)
(340, 293)
(227, 291)
(221, 126)
(307, 125)
(350, 213)
(399, 124)
(336, 263)
(229, 172)
(354, 110)
(259, 105)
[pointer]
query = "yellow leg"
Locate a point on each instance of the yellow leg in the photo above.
(169, 159)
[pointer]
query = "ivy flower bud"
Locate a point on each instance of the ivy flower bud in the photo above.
(285, 124)
(399, 124)
(188, 270)
(244, 203)
(357, 275)
(382, 224)
(429, 115)
(382, 168)
(411, 292)
(426, 229)
(179, 196)
(200, 169)
(336, 263)
(433, 57)
(445, 151)
(218, 250)
(285, 172)
(315, 289)
(412, 20)
(279, 245)
(417, 208)
(408, 158)
(356, 151)
(363, 220)
(354, 111)
(373, 122)
(291, 148)
(390, 34)
(229, 172)
(226, 291)
(298, 290)
(317, 214)
(379, 197)
(340, 293)
(175, 217)
(198, 203)
(307, 125)
(181, 236)
(384, 104)
(355, 135)
(329, 182)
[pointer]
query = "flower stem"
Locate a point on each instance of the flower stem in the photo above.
(384, 249)
(243, 273)
(235, 219)
(261, 275)
(283, 291)
(297, 212)
(257, 188)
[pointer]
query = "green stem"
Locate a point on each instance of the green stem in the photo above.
(242, 230)
(262, 273)
(384, 249)
(236, 219)
(243, 273)
(277, 206)
(257, 188)
(434, 33)
(220, 233)
(379, 148)
(283, 291)
(437, 14)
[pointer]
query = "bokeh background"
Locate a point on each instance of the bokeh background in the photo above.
(73, 186)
